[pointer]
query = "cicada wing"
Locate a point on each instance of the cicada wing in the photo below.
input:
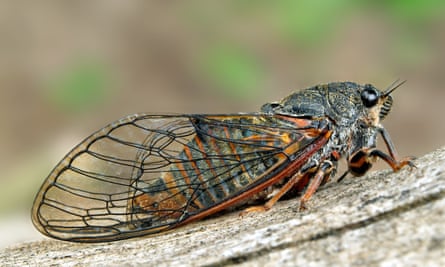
(147, 173)
(87, 194)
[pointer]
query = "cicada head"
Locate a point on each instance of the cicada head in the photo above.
(377, 104)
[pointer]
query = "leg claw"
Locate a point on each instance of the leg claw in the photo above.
(302, 206)
(253, 209)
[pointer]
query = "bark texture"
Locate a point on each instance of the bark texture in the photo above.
(383, 218)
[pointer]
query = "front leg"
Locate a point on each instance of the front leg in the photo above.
(392, 158)
(361, 161)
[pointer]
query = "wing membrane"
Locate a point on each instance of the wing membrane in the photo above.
(147, 173)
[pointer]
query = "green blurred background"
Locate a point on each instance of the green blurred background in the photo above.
(68, 68)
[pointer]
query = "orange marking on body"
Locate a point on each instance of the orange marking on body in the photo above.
(232, 146)
(304, 124)
(270, 138)
(313, 132)
(215, 147)
(285, 138)
(169, 180)
(336, 155)
(197, 170)
(260, 138)
(286, 172)
(149, 201)
(294, 147)
(299, 122)
(362, 160)
(187, 178)
(163, 203)
(209, 162)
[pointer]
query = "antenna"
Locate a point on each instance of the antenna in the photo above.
(396, 84)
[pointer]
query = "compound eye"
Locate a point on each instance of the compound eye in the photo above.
(370, 96)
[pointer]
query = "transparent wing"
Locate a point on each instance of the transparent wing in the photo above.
(148, 173)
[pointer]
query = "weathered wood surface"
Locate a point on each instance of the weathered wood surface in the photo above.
(383, 218)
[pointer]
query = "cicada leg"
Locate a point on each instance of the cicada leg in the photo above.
(392, 158)
(321, 174)
(361, 160)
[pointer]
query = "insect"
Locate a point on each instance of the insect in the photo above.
(145, 174)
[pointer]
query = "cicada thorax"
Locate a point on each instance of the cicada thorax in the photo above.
(226, 157)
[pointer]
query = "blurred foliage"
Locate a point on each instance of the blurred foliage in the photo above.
(309, 21)
(417, 11)
(308, 24)
(233, 69)
(410, 50)
(79, 86)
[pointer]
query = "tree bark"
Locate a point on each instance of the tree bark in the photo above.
(382, 218)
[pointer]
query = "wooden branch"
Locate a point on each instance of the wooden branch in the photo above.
(382, 218)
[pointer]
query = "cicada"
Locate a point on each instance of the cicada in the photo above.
(147, 173)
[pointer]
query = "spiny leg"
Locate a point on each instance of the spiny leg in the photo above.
(361, 161)
(321, 175)
(396, 165)
(296, 178)
(392, 158)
